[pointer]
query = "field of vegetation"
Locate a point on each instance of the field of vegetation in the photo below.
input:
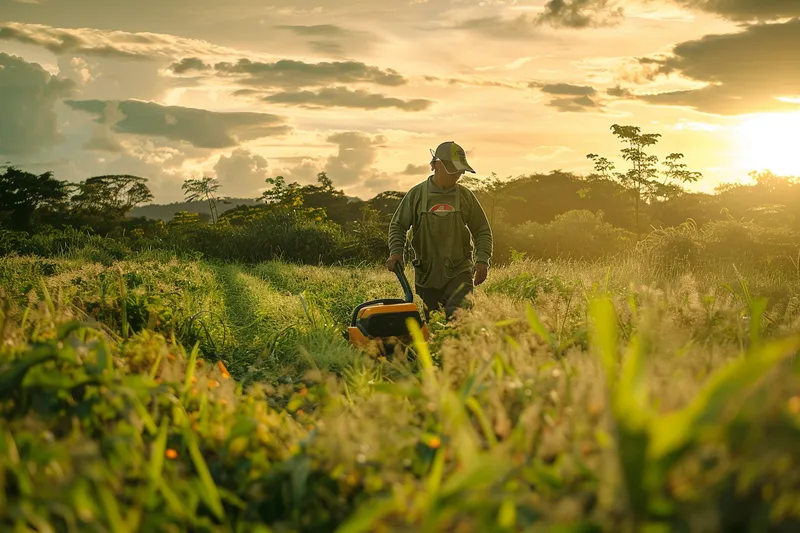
(630, 365)
(152, 391)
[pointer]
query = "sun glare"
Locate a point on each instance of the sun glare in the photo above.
(770, 142)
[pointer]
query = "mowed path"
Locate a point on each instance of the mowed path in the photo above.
(263, 322)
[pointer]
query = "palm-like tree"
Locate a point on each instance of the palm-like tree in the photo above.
(203, 188)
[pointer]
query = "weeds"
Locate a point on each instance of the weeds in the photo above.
(165, 394)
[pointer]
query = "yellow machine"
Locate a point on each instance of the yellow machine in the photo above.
(382, 323)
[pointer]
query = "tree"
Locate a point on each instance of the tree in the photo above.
(642, 177)
(23, 194)
(495, 189)
(111, 195)
(673, 172)
(289, 195)
(203, 188)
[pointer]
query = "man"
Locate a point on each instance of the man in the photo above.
(446, 219)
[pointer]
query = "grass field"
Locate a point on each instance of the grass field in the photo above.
(171, 394)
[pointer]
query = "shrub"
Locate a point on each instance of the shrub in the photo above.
(576, 234)
(673, 250)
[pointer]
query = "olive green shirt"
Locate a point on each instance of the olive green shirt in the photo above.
(472, 214)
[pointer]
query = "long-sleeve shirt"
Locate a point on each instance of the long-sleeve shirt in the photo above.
(472, 214)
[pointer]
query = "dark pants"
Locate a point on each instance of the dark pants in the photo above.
(450, 297)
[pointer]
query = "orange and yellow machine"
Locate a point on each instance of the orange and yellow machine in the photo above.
(382, 323)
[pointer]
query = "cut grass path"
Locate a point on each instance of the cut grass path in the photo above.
(261, 320)
(273, 337)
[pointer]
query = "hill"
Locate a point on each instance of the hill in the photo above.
(165, 212)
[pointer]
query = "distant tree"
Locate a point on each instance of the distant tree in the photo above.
(495, 189)
(674, 172)
(184, 218)
(203, 188)
(641, 179)
(111, 196)
(385, 203)
(603, 166)
(23, 194)
(282, 193)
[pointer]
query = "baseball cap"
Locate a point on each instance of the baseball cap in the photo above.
(453, 157)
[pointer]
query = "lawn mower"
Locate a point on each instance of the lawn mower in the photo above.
(382, 323)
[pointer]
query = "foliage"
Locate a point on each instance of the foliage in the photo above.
(642, 177)
(23, 194)
(203, 188)
(156, 394)
(575, 234)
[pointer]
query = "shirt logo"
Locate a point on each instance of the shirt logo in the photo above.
(442, 209)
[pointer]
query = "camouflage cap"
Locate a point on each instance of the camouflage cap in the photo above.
(453, 157)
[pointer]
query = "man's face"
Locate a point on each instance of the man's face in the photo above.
(449, 174)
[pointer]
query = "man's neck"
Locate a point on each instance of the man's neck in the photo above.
(444, 186)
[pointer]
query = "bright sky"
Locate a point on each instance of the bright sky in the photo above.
(244, 90)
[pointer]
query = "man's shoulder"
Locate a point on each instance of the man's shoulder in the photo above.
(467, 193)
(416, 189)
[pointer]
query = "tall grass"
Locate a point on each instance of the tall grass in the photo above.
(573, 396)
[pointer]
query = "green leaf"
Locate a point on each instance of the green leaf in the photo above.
(367, 515)
(603, 334)
(482, 473)
(209, 493)
(674, 431)
(757, 308)
(536, 324)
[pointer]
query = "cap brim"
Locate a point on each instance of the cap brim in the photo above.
(456, 166)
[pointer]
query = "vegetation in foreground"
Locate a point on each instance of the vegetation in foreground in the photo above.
(157, 393)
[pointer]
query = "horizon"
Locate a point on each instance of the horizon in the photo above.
(244, 92)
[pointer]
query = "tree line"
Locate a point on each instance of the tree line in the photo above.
(638, 196)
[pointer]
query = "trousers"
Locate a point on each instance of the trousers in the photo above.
(451, 297)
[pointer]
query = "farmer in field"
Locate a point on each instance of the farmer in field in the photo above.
(451, 237)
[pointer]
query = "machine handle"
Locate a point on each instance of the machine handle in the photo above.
(401, 277)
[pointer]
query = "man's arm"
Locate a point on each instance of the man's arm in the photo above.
(398, 227)
(478, 225)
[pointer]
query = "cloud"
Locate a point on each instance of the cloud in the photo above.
(357, 152)
(344, 97)
(619, 92)
(519, 27)
(108, 44)
(581, 13)
(564, 89)
(104, 139)
(292, 74)
(573, 14)
(568, 98)
(199, 127)
(28, 95)
(332, 40)
(576, 104)
(746, 10)
(242, 173)
(319, 30)
(188, 64)
(745, 72)
(413, 170)
(476, 82)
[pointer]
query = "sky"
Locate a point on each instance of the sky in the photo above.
(245, 90)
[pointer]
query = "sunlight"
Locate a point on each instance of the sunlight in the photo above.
(770, 141)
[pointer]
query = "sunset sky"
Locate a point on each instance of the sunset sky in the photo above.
(245, 90)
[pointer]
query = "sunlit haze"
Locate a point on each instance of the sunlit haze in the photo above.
(246, 90)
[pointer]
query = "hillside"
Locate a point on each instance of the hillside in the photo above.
(165, 212)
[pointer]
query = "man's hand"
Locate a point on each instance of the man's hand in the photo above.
(481, 270)
(393, 259)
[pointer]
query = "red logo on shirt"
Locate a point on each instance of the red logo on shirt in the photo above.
(442, 209)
